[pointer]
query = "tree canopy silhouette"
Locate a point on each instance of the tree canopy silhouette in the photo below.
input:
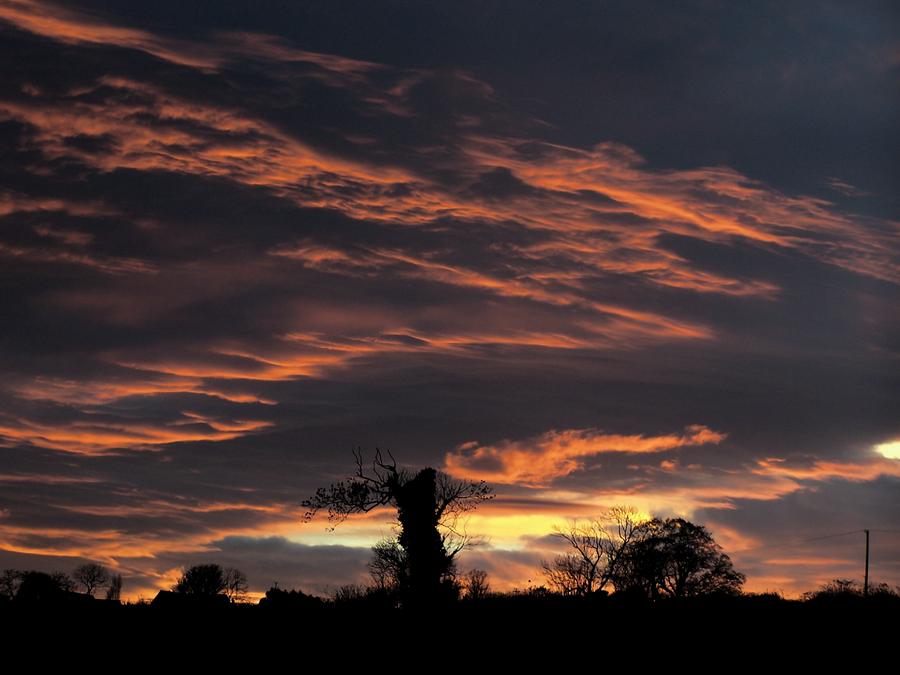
(654, 558)
(203, 580)
(42, 587)
(675, 558)
(212, 580)
(427, 502)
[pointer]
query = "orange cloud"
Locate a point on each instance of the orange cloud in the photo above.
(73, 27)
(576, 197)
(98, 437)
(48, 479)
(135, 383)
(538, 461)
(613, 326)
(107, 264)
(10, 203)
(697, 487)
(820, 470)
(713, 204)
(50, 20)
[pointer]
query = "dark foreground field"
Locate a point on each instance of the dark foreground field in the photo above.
(506, 626)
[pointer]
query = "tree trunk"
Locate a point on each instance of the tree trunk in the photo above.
(419, 536)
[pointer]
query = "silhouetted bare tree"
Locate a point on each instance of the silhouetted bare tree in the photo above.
(63, 581)
(428, 503)
(91, 576)
(114, 590)
(389, 566)
(9, 583)
(475, 585)
(596, 547)
(236, 585)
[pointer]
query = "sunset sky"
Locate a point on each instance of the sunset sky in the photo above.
(594, 253)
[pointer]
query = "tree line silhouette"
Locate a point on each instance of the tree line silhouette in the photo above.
(31, 586)
(616, 554)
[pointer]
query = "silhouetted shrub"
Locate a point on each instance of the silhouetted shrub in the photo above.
(838, 590)
(293, 600)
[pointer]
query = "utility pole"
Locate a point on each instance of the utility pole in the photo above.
(866, 582)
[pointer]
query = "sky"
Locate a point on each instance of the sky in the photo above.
(592, 253)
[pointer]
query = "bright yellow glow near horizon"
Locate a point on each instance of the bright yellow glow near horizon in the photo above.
(891, 449)
(498, 528)
(506, 531)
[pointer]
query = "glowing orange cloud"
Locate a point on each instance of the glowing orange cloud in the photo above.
(106, 264)
(49, 479)
(820, 470)
(577, 197)
(538, 461)
(101, 437)
(11, 202)
(52, 21)
(614, 324)
(74, 27)
(99, 390)
(698, 487)
(713, 204)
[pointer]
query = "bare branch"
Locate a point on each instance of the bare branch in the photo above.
(595, 552)
(428, 505)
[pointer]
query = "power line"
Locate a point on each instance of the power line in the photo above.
(832, 536)
(800, 542)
